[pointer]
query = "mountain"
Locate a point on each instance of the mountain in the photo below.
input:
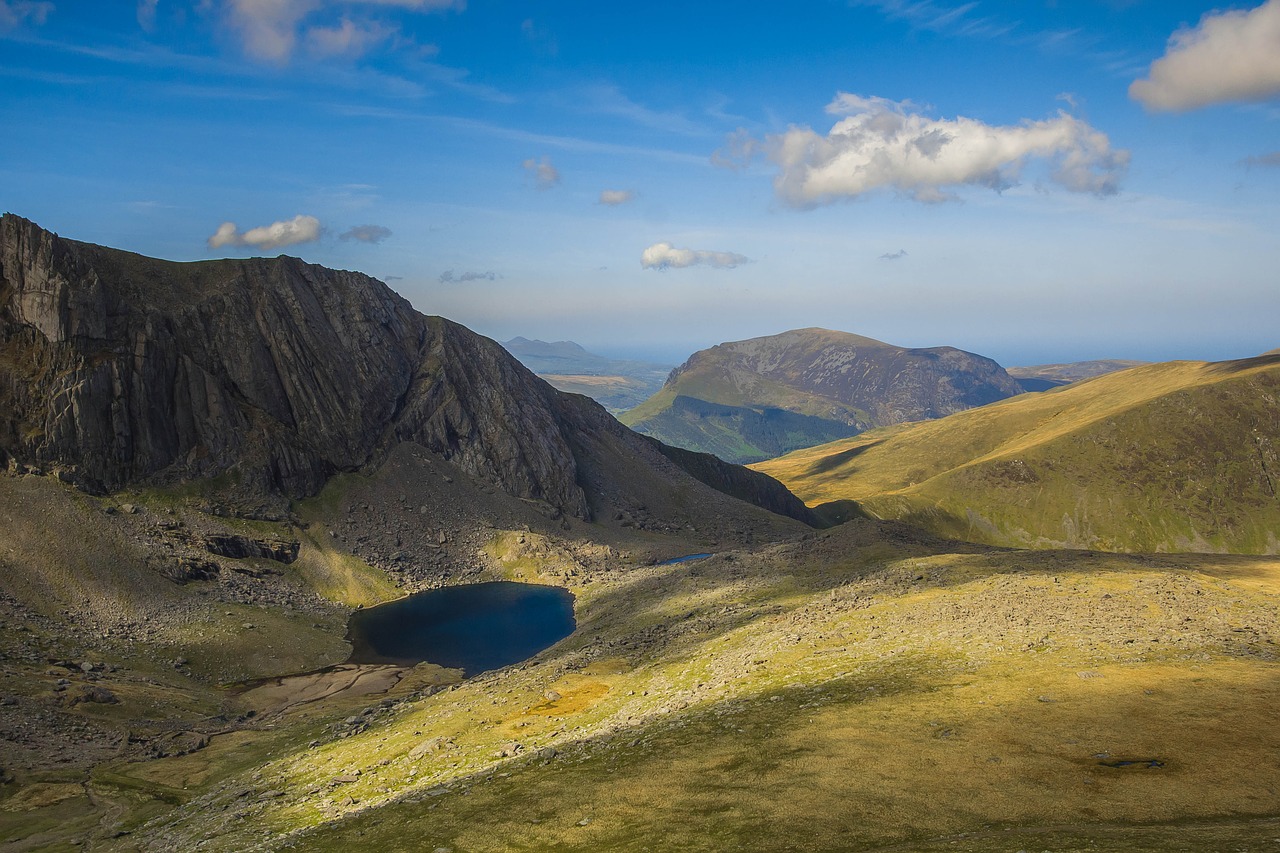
(272, 375)
(751, 400)
(1178, 456)
(616, 384)
(209, 467)
(1042, 377)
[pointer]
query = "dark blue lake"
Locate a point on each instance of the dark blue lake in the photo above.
(475, 628)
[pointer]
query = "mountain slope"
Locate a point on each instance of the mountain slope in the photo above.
(1173, 456)
(273, 375)
(842, 383)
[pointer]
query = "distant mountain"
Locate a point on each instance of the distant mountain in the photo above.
(751, 400)
(1042, 377)
(1180, 456)
(616, 384)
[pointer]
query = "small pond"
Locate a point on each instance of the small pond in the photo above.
(475, 628)
(686, 558)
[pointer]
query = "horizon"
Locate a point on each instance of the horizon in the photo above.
(649, 183)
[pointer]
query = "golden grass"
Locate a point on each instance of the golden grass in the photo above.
(1168, 457)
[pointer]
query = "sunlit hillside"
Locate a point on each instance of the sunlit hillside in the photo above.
(1167, 457)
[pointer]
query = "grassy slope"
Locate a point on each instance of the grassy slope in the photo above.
(1174, 456)
(860, 688)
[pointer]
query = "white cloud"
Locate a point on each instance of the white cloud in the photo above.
(1230, 56)
(545, 174)
(270, 29)
(661, 256)
(366, 233)
(290, 232)
(883, 144)
(613, 198)
(16, 12)
(449, 277)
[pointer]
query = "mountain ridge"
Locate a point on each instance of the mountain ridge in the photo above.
(274, 373)
(850, 382)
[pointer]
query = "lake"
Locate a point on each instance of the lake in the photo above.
(475, 627)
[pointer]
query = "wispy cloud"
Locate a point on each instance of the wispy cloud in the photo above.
(270, 30)
(613, 198)
(14, 13)
(940, 17)
(366, 233)
(1229, 56)
(1270, 159)
(543, 40)
(289, 232)
(449, 277)
(608, 100)
(495, 131)
(883, 144)
(967, 21)
(147, 14)
(894, 256)
(663, 256)
(545, 175)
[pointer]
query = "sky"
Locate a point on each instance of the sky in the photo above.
(1033, 180)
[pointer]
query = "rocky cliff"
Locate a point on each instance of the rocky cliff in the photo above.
(272, 374)
(808, 386)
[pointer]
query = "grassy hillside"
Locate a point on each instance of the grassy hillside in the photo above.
(860, 688)
(1166, 457)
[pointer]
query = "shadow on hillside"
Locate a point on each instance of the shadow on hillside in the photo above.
(1269, 359)
(835, 460)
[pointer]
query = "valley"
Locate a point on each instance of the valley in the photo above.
(194, 504)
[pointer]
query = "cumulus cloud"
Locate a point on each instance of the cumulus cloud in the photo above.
(366, 233)
(448, 276)
(16, 12)
(271, 29)
(1230, 56)
(613, 198)
(544, 174)
(893, 256)
(662, 256)
(290, 232)
(883, 144)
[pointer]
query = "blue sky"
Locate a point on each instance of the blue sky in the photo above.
(1035, 181)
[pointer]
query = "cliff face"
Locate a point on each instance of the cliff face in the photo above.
(125, 369)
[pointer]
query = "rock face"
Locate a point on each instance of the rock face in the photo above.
(749, 400)
(271, 374)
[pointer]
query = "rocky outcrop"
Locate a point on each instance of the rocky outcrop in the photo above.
(269, 375)
(244, 547)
